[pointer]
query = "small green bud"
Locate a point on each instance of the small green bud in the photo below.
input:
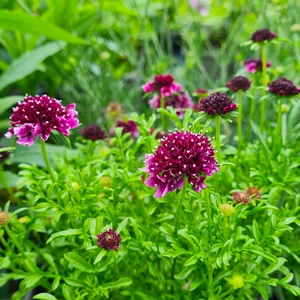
(237, 281)
(226, 209)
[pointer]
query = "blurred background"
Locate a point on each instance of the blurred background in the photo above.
(92, 52)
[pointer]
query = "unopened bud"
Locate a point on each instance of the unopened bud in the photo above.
(4, 217)
(237, 281)
(226, 209)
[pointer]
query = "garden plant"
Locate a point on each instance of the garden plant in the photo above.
(170, 169)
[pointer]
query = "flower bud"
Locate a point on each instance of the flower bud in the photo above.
(226, 209)
(240, 197)
(237, 281)
(253, 192)
(4, 217)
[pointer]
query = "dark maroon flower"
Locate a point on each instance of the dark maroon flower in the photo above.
(109, 240)
(39, 115)
(4, 155)
(263, 35)
(180, 101)
(283, 87)
(93, 132)
(164, 85)
(240, 197)
(217, 104)
(253, 65)
(239, 83)
(180, 155)
(160, 134)
(128, 126)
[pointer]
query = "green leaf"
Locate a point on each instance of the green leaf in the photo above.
(195, 284)
(12, 20)
(56, 283)
(69, 232)
(185, 272)
(28, 62)
(275, 266)
(291, 288)
(122, 225)
(30, 281)
(125, 281)
(191, 261)
(100, 256)
(44, 296)
(78, 262)
(288, 278)
(9, 101)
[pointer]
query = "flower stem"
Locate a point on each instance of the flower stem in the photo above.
(218, 147)
(211, 293)
(46, 159)
(116, 263)
(208, 212)
(264, 83)
(240, 119)
(277, 138)
(164, 118)
(179, 205)
(6, 185)
(252, 111)
(284, 128)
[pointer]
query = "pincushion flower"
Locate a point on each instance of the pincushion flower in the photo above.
(239, 83)
(283, 87)
(109, 240)
(180, 155)
(164, 85)
(240, 197)
(253, 65)
(262, 35)
(217, 104)
(93, 132)
(180, 101)
(38, 116)
(128, 126)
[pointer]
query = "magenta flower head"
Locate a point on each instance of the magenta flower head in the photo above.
(180, 155)
(39, 115)
(93, 132)
(164, 85)
(128, 126)
(262, 35)
(180, 101)
(253, 65)
(283, 87)
(109, 240)
(217, 104)
(239, 83)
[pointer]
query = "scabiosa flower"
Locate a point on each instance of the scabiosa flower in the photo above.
(217, 104)
(4, 217)
(180, 155)
(240, 197)
(109, 240)
(239, 83)
(253, 192)
(39, 115)
(253, 65)
(93, 132)
(262, 35)
(164, 85)
(179, 101)
(128, 126)
(283, 87)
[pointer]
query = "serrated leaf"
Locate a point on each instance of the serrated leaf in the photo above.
(78, 262)
(65, 233)
(44, 296)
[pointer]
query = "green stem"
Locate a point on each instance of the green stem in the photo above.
(284, 128)
(277, 138)
(116, 264)
(6, 185)
(218, 138)
(225, 226)
(164, 118)
(211, 293)
(208, 212)
(46, 159)
(264, 83)
(179, 205)
(252, 111)
(240, 119)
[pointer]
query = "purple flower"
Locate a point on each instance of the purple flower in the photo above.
(217, 104)
(283, 87)
(180, 155)
(93, 132)
(262, 35)
(164, 85)
(253, 65)
(179, 101)
(109, 240)
(39, 115)
(128, 126)
(239, 83)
